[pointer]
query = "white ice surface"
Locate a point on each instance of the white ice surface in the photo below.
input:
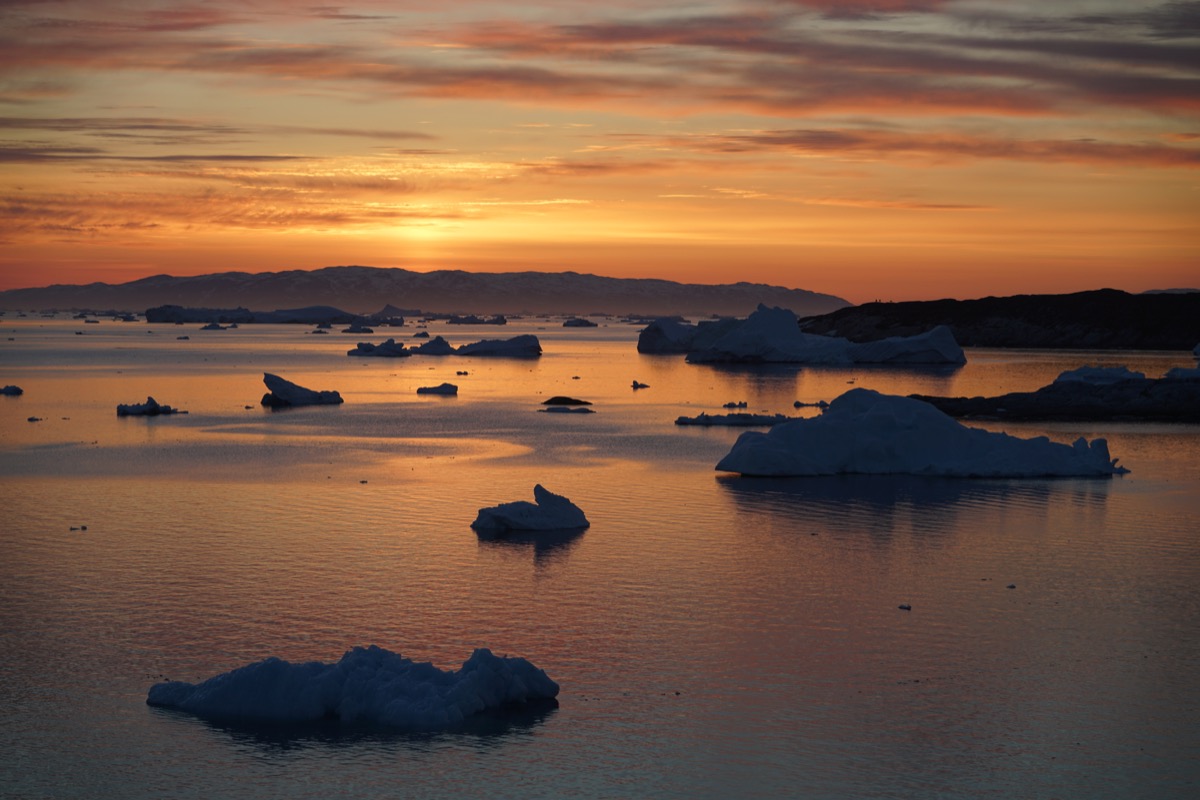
(864, 432)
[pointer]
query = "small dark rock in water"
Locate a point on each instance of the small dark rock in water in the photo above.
(638, 385)
(905, 607)
(462, 372)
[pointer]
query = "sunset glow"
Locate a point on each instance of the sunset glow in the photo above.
(896, 149)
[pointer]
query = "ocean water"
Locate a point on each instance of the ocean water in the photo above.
(713, 636)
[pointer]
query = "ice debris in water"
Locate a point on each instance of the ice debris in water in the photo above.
(368, 685)
(285, 393)
(441, 388)
(866, 432)
(150, 408)
(551, 512)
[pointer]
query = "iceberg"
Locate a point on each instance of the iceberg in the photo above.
(736, 420)
(671, 335)
(441, 388)
(773, 336)
(865, 432)
(523, 346)
(150, 408)
(437, 346)
(282, 393)
(388, 349)
(369, 685)
(567, 410)
(12, 390)
(550, 512)
(1099, 376)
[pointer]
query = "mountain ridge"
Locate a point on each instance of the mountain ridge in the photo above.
(366, 289)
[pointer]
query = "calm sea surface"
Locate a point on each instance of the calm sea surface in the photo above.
(713, 636)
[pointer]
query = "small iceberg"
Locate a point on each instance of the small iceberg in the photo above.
(736, 420)
(566, 410)
(214, 326)
(283, 393)
(150, 408)
(550, 512)
(639, 385)
(369, 685)
(12, 391)
(442, 388)
(437, 346)
(388, 349)
(563, 400)
(579, 322)
(865, 432)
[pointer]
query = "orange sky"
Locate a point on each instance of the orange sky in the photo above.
(892, 149)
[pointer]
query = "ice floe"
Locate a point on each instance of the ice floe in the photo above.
(549, 512)
(865, 432)
(150, 408)
(437, 346)
(736, 420)
(369, 685)
(523, 346)
(282, 393)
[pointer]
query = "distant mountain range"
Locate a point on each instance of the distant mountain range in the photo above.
(1104, 319)
(367, 289)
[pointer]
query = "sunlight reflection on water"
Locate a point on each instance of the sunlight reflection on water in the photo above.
(714, 635)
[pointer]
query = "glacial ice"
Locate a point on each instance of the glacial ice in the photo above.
(738, 420)
(1099, 376)
(284, 393)
(368, 685)
(551, 512)
(866, 432)
(437, 346)
(772, 335)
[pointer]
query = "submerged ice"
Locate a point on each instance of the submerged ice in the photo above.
(368, 685)
(866, 432)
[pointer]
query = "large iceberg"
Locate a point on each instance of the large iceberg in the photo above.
(865, 432)
(551, 512)
(523, 346)
(773, 336)
(283, 393)
(368, 685)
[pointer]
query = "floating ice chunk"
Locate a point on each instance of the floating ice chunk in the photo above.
(567, 410)
(523, 346)
(936, 346)
(150, 408)
(12, 391)
(388, 349)
(736, 420)
(580, 322)
(639, 385)
(1099, 376)
(437, 346)
(563, 400)
(865, 432)
(551, 512)
(441, 388)
(285, 393)
(368, 685)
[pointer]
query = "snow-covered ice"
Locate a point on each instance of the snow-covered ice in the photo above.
(866, 432)
(550, 512)
(283, 393)
(368, 685)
